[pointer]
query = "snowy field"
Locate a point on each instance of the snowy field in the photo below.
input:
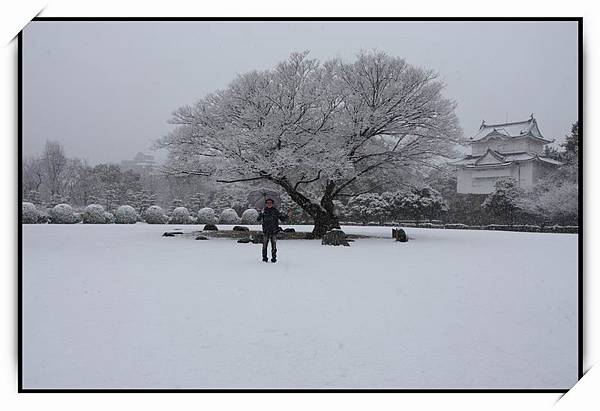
(119, 306)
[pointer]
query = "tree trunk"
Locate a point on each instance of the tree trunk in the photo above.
(323, 223)
(322, 213)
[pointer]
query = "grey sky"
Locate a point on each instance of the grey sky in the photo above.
(106, 89)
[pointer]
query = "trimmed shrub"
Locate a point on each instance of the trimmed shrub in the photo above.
(567, 229)
(109, 217)
(43, 217)
(94, 214)
(210, 227)
(180, 215)
(29, 214)
(527, 228)
(497, 227)
(206, 215)
(249, 216)
(456, 226)
(429, 225)
(155, 215)
(240, 228)
(63, 214)
(229, 216)
(126, 214)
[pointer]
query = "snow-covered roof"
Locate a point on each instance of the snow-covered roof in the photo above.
(550, 161)
(509, 130)
(502, 159)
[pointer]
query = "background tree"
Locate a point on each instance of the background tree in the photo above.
(571, 144)
(555, 197)
(55, 163)
(421, 203)
(318, 131)
(505, 201)
(198, 201)
(33, 175)
(368, 207)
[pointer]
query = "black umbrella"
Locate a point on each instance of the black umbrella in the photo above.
(259, 196)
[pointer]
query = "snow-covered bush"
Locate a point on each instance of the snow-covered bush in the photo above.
(527, 228)
(562, 229)
(367, 207)
(125, 214)
(229, 216)
(421, 203)
(206, 215)
(249, 216)
(43, 216)
(504, 203)
(430, 225)
(63, 214)
(155, 215)
(29, 214)
(456, 226)
(498, 227)
(180, 215)
(94, 214)
(109, 218)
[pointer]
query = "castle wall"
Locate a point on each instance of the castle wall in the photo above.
(482, 180)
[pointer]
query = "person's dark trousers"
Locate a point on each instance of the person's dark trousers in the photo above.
(266, 239)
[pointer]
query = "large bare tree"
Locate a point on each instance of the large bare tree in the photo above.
(55, 162)
(318, 131)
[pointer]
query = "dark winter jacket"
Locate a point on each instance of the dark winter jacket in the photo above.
(270, 220)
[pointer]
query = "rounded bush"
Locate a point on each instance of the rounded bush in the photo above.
(180, 215)
(63, 214)
(43, 217)
(109, 218)
(249, 216)
(94, 214)
(206, 215)
(125, 214)
(29, 214)
(229, 216)
(155, 215)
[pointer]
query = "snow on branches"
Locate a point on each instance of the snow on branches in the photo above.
(318, 130)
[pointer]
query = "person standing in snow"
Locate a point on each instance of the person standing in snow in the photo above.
(270, 217)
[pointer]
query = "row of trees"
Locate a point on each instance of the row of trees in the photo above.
(52, 178)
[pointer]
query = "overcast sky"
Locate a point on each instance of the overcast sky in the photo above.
(107, 89)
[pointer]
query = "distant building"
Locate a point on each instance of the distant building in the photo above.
(504, 150)
(141, 163)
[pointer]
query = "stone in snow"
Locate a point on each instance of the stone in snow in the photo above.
(335, 237)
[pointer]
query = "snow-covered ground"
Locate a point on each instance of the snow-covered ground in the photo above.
(119, 306)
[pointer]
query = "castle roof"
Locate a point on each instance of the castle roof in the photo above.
(527, 128)
(492, 158)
